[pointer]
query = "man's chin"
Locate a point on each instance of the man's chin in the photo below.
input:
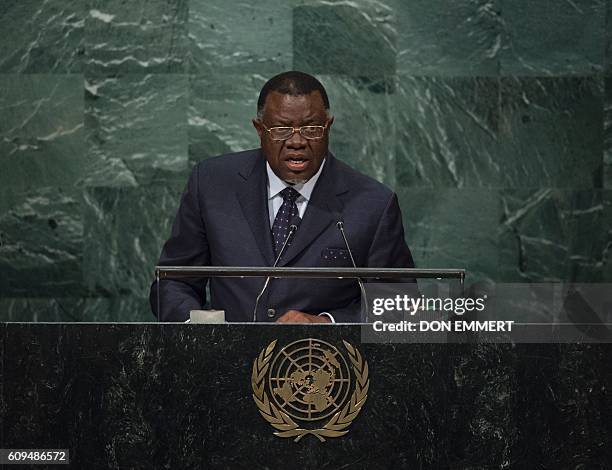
(296, 180)
(297, 176)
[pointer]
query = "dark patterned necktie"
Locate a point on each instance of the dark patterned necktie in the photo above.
(286, 216)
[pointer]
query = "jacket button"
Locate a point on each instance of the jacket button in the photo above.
(271, 313)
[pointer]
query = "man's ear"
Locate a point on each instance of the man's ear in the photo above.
(330, 121)
(257, 126)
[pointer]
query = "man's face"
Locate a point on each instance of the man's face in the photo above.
(296, 159)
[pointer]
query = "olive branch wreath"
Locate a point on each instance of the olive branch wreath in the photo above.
(285, 425)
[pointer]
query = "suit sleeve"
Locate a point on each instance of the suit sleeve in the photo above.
(388, 250)
(187, 246)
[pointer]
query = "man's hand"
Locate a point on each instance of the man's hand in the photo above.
(295, 316)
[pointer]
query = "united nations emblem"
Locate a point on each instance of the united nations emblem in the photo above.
(310, 382)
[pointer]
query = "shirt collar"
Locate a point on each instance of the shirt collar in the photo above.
(276, 185)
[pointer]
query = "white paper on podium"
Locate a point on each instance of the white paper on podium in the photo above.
(207, 316)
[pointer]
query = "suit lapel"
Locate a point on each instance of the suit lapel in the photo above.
(253, 198)
(324, 209)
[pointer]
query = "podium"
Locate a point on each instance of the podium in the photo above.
(182, 396)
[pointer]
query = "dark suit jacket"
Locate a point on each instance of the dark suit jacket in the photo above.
(223, 221)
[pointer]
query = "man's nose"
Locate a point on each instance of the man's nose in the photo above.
(296, 140)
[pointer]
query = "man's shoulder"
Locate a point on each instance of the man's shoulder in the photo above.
(230, 161)
(355, 180)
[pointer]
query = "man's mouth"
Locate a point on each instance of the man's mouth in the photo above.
(296, 162)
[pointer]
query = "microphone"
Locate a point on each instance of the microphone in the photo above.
(340, 226)
(292, 229)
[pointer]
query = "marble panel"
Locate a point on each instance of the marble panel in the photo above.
(449, 38)
(357, 39)
(607, 163)
(452, 228)
(484, 428)
(139, 36)
(608, 39)
(42, 151)
(125, 229)
(551, 235)
(548, 39)
(557, 393)
(42, 142)
(41, 246)
(551, 132)
(42, 36)
(249, 37)
(607, 229)
(447, 132)
(136, 128)
(221, 107)
(3, 402)
(364, 127)
(126, 308)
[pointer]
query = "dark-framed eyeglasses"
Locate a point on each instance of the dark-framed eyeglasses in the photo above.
(285, 132)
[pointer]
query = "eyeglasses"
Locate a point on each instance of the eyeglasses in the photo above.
(284, 133)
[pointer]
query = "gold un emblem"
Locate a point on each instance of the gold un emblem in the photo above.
(310, 382)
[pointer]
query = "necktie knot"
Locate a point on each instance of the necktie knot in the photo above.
(289, 195)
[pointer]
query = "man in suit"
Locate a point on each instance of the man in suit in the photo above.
(240, 209)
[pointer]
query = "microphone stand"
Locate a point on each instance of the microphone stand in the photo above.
(340, 226)
(292, 230)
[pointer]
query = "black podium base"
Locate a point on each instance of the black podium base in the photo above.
(181, 396)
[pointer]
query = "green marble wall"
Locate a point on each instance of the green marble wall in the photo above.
(492, 119)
